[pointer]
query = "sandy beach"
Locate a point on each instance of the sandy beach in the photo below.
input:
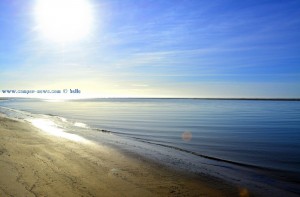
(33, 163)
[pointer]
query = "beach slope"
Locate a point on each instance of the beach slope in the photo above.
(33, 163)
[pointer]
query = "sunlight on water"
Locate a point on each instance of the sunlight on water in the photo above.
(55, 100)
(52, 129)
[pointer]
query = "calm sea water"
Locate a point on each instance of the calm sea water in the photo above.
(263, 134)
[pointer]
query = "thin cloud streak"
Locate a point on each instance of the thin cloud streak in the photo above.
(139, 45)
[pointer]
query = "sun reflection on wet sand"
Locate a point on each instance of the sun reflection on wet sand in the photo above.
(51, 128)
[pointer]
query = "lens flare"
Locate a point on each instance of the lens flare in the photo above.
(186, 136)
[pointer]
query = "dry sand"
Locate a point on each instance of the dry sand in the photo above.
(33, 163)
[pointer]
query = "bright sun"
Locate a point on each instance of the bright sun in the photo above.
(64, 20)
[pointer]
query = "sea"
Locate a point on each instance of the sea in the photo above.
(252, 143)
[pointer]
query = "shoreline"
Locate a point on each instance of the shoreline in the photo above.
(258, 182)
(35, 164)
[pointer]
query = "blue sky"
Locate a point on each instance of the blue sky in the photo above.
(144, 48)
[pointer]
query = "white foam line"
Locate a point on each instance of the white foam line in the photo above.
(80, 124)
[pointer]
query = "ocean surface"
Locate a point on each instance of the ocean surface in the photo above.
(253, 142)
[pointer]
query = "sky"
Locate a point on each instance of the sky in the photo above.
(156, 48)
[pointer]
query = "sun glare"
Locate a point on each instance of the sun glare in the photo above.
(53, 129)
(64, 20)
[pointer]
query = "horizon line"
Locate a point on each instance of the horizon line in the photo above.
(200, 98)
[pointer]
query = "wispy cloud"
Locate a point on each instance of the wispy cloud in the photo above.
(163, 47)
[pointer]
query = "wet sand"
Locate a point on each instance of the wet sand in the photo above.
(33, 163)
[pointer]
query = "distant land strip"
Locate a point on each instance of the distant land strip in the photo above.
(195, 98)
(254, 99)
